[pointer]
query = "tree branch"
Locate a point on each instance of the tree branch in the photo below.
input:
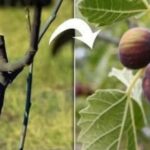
(3, 75)
(28, 58)
(108, 38)
(9, 71)
(50, 19)
(131, 23)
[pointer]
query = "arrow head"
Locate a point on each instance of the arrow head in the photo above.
(89, 38)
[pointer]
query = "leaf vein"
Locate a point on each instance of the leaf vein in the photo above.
(114, 11)
(101, 114)
(106, 133)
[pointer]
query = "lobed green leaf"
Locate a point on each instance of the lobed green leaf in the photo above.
(105, 12)
(110, 122)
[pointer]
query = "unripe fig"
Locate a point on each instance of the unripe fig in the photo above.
(146, 83)
(134, 48)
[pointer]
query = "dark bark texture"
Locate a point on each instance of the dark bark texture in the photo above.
(10, 70)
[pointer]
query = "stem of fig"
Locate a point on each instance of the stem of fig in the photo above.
(130, 104)
(129, 90)
(134, 80)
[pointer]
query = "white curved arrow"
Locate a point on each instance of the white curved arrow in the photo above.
(87, 36)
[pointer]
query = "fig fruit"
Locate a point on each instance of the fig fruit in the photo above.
(134, 48)
(146, 83)
(83, 90)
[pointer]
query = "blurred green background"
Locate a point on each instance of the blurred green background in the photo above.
(50, 125)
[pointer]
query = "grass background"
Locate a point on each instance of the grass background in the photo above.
(50, 125)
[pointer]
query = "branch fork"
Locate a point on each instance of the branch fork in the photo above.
(10, 70)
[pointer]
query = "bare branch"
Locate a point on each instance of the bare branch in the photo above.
(28, 58)
(108, 38)
(50, 19)
(131, 23)
(9, 71)
(3, 55)
(3, 75)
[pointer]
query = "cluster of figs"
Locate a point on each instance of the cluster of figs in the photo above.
(134, 53)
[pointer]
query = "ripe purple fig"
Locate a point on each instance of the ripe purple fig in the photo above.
(146, 83)
(83, 90)
(134, 48)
